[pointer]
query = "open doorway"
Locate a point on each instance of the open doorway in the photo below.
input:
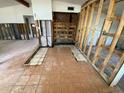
(64, 27)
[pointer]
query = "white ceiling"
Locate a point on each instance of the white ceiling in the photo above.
(79, 2)
(5, 3)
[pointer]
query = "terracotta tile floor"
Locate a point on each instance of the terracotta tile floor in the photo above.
(59, 73)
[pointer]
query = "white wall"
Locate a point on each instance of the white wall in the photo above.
(42, 9)
(61, 6)
(14, 14)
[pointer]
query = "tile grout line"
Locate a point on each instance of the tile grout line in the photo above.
(16, 81)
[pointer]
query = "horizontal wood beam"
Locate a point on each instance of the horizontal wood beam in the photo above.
(88, 3)
(25, 3)
(113, 34)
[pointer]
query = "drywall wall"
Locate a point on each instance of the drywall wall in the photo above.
(14, 14)
(61, 6)
(42, 9)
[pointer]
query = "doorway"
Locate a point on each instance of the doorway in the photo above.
(64, 27)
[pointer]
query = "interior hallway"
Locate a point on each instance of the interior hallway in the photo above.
(59, 73)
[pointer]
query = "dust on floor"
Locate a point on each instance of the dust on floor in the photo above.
(59, 73)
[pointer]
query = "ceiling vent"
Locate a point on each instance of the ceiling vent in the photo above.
(71, 8)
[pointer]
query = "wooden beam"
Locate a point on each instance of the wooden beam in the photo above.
(1, 32)
(81, 25)
(23, 2)
(89, 26)
(106, 28)
(84, 27)
(111, 34)
(96, 24)
(86, 4)
(78, 28)
(114, 42)
(119, 64)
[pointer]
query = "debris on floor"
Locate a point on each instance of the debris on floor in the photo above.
(39, 57)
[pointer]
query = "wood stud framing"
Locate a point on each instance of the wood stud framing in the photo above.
(89, 25)
(119, 64)
(114, 42)
(85, 27)
(78, 28)
(81, 26)
(15, 31)
(96, 24)
(106, 29)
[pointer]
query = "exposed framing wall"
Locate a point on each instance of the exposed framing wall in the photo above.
(86, 26)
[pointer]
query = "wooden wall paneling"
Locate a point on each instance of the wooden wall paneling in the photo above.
(89, 26)
(117, 67)
(106, 28)
(96, 24)
(114, 42)
(84, 27)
